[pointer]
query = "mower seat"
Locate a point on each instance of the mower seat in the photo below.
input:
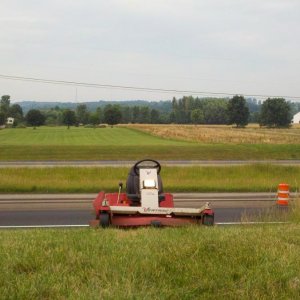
(133, 189)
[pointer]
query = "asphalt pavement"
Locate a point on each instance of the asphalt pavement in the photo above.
(76, 209)
(128, 163)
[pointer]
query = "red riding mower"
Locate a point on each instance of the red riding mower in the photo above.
(145, 203)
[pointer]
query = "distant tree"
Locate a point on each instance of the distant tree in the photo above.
(215, 111)
(4, 105)
(69, 117)
(182, 112)
(275, 112)
(126, 114)
(255, 117)
(15, 111)
(135, 114)
(112, 114)
(82, 114)
(197, 116)
(295, 107)
(35, 118)
(172, 117)
(154, 116)
(94, 118)
(144, 116)
(238, 111)
(2, 118)
(100, 114)
(52, 117)
(164, 119)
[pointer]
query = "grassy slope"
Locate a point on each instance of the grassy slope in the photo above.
(58, 143)
(251, 178)
(185, 263)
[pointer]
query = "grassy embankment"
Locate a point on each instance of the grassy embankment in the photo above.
(248, 178)
(255, 262)
(182, 142)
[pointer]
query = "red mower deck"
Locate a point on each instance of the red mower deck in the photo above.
(144, 203)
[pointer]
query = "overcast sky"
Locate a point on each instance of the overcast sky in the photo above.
(234, 46)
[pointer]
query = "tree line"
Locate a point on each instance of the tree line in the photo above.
(273, 112)
(276, 112)
(110, 114)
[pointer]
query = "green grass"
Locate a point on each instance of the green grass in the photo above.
(59, 143)
(248, 178)
(159, 152)
(79, 136)
(255, 262)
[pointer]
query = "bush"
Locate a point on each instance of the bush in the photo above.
(21, 126)
(275, 112)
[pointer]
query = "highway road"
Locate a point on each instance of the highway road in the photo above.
(76, 209)
(125, 163)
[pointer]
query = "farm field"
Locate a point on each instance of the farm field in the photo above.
(248, 178)
(119, 143)
(253, 262)
(222, 134)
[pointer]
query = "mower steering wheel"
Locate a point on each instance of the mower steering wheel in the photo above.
(156, 165)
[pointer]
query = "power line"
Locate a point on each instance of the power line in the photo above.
(135, 88)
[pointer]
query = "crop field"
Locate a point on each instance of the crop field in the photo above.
(252, 134)
(119, 143)
(253, 262)
(249, 178)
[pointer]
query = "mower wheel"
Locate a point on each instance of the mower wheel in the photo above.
(208, 220)
(156, 224)
(104, 220)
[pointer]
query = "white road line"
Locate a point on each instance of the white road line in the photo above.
(85, 225)
(249, 223)
(42, 226)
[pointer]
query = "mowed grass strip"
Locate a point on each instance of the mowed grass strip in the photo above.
(254, 262)
(249, 178)
(191, 151)
(80, 136)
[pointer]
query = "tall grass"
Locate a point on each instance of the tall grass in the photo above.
(223, 134)
(248, 178)
(276, 213)
(295, 211)
(192, 151)
(259, 262)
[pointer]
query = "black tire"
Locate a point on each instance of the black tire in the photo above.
(104, 220)
(156, 224)
(208, 220)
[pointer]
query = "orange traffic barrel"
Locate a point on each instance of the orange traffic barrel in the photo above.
(283, 194)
